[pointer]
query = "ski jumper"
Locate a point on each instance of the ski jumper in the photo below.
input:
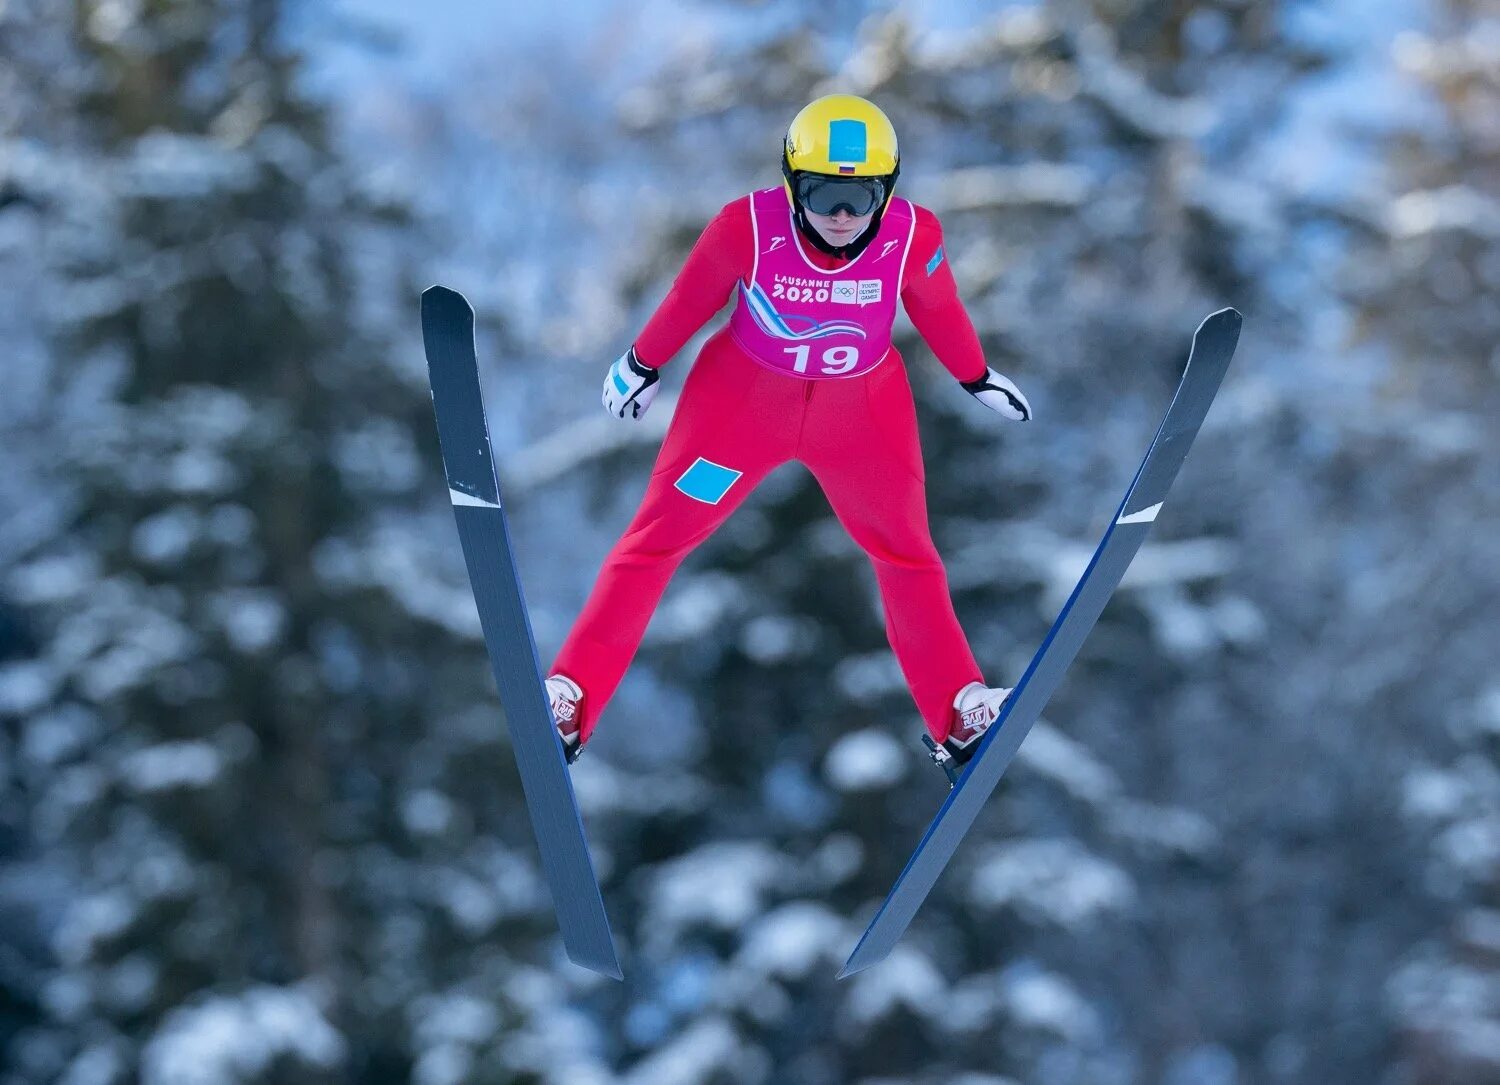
(804, 371)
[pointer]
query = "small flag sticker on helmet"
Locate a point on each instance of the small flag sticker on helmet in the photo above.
(846, 169)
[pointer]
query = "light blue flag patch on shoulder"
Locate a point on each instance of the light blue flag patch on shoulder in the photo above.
(707, 481)
(936, 261)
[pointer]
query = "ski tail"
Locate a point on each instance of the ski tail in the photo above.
(1214, 344)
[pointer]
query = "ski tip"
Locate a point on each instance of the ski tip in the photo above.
(863, 956)
(857, 963)
(1227, 317)
(442, 295)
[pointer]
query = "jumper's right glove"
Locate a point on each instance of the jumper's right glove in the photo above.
(997, 393)
(629, 386)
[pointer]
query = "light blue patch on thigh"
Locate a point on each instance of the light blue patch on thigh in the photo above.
(707, 481)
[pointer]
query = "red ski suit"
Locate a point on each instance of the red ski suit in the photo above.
(857, 436)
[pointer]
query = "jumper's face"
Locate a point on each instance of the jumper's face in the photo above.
(839, 228)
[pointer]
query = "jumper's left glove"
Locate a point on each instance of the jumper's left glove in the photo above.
(629, 386)
(996, 392)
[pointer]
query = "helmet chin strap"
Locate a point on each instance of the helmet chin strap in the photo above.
(842, 252)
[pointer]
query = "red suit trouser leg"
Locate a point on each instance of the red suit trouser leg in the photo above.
(871, 472)
(736, 422)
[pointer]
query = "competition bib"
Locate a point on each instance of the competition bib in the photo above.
(808, 322)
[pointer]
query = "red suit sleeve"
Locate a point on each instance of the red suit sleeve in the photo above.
(723, 254)
(931, 299)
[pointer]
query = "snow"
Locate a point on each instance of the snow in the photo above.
(948, 39)
(100, 1064)
(426, 812)
(75, 788)
(1106, 78)
(1478, 930)
(455, 1017)
(708, 1050)
(1050, 882)
(1164, 832)
(793, 940)
(906, 979)
(604, 789)
(52, 579)
(1068, 764)
(379, 458)
(837, 859)
(26, 687)
(866, 760)
(1457, 208)
(975, 188)
(1203, 1064)
(164, 538)
(129, 986)
(403, 561)
(92, 921)
(474, 905)
(553, 1038)
(1034, 998)
(585, 440)
(718, 885)
(973, 1006)
(145, 641)
(1487, 712)
(1452, 1000)
(693, 606)
(229, 1039)
(774, 638)
(171, 766)
(68, 997)
(174, 166)
(865, 679)
(1472, 847)
(253, 619)
(444, 1064)
(1428, 792)
(790, 791)
(162, 871)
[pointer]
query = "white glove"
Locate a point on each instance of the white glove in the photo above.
(629, 386)
(996, 392)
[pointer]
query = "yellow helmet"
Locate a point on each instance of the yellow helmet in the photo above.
(840, 136)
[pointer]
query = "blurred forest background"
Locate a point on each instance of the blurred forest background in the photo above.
(258, 818)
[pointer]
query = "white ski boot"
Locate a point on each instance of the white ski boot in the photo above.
(566, 699)
(975, 707)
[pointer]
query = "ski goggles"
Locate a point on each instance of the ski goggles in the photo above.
(825, 195)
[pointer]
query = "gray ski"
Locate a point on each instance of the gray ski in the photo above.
(448, 333)
(1213, 346)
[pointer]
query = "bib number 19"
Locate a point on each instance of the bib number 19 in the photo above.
(836, 360)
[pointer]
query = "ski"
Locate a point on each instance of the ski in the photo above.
(1213, 346)
(468, 462)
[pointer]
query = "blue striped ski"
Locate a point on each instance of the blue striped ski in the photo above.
(448, 334)
(1213, 346)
